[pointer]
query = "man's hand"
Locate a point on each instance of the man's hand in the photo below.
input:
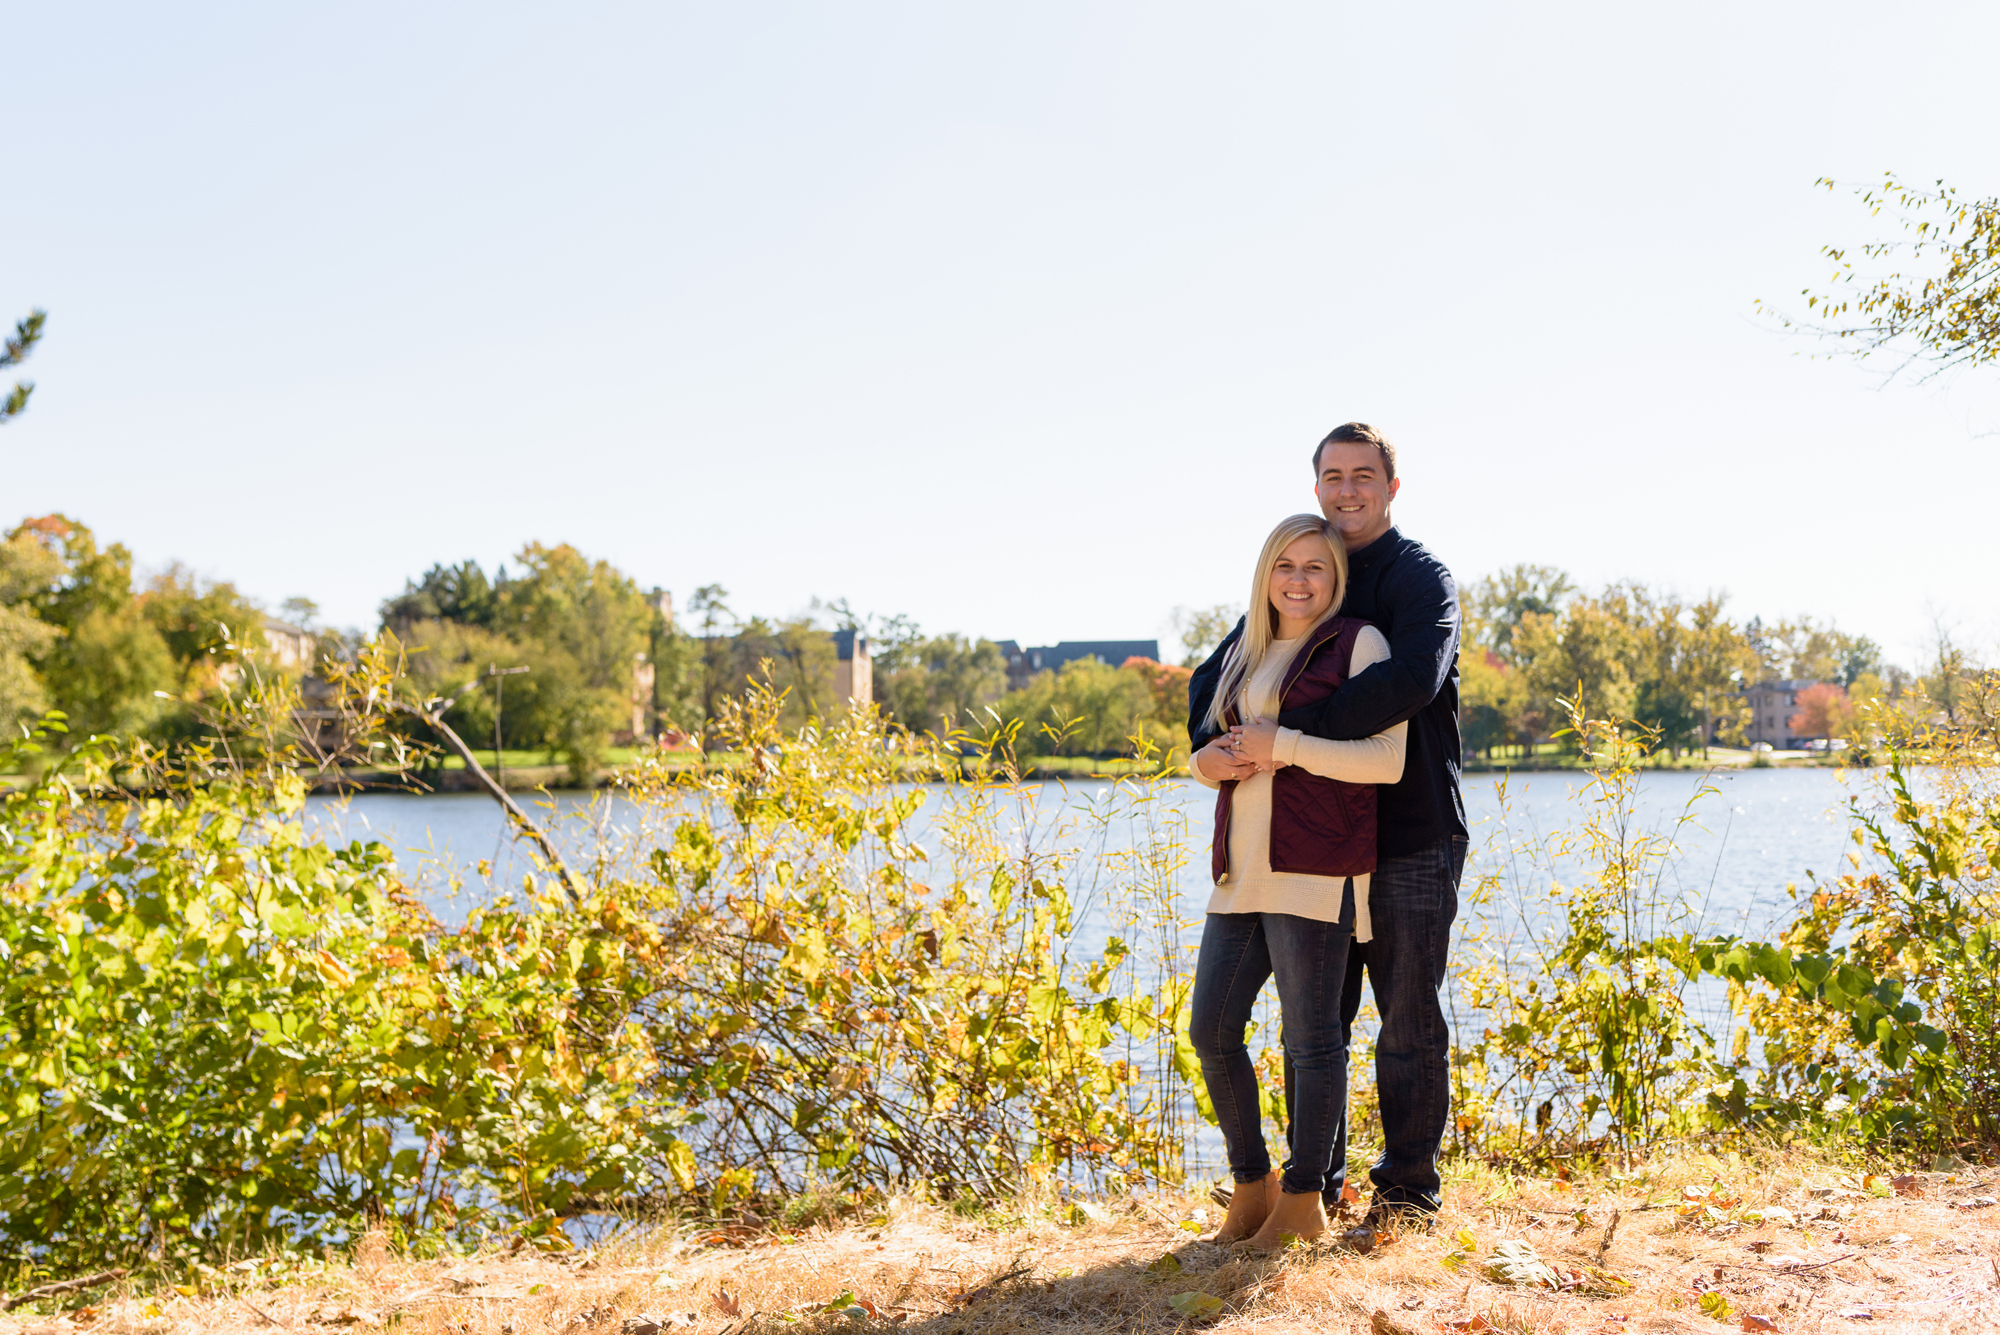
(1253, 741)
(1218, 763)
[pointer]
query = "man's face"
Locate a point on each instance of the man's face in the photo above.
(1354, 492)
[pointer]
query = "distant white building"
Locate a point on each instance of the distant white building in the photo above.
(292, 647)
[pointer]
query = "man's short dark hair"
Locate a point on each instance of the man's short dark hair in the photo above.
(1359, 433)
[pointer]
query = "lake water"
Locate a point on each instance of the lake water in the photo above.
(1760, 829)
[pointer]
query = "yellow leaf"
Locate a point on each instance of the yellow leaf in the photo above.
(1196, 1304)
(680, 1162)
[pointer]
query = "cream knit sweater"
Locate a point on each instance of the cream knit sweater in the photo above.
(1250, 886)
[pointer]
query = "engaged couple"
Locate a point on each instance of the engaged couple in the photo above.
(1327, 721)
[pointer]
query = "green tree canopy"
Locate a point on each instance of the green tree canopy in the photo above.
(459, 593)
(581, 627)
(97, 657)
(1495, 605)
(206, 625)
(933, 683)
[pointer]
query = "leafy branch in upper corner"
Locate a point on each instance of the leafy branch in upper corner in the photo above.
(1939, 304)
(26, 334)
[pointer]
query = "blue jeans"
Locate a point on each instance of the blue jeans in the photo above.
(1238, 952)
(1412, 902)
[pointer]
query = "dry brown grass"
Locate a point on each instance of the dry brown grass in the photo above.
(1928, 1262)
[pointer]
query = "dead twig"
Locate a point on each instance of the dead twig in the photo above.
(963, 1298)
(62, 1286)
(1148, 1205)
(1796, 1269)
(268, 1319)
(1604, 1243)
(434, 717)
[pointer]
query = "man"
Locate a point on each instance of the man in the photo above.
(1409, 595)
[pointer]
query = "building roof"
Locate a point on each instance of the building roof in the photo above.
(1047, 658)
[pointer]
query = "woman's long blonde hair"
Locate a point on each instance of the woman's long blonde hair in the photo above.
(1260, 631)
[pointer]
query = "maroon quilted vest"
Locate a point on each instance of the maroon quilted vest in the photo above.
(1319, 827)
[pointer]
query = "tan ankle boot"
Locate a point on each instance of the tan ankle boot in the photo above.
(1249, 1205)
(1302, 1217)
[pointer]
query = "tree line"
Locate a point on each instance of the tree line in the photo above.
(1532, 637)
(568, 655)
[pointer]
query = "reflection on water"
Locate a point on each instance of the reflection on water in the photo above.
(1760, 830)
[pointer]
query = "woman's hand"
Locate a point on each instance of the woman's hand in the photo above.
(1218, 762)
(1254, 742)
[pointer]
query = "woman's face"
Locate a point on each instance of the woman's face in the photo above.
(1302, 582)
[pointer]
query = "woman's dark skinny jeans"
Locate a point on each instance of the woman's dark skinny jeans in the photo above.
(1238, 952)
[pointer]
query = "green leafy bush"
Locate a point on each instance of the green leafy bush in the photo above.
(1877, 1012)
(850, 994)
(221, 1034)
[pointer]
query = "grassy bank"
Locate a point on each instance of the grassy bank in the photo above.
(1687, 1242)
(1550, 756)
(529, 771)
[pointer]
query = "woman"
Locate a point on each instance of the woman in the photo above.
(1294, 846)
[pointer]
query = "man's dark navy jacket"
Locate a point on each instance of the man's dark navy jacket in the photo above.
(1408, 595)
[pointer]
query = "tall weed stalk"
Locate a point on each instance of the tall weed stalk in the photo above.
(1572, 974)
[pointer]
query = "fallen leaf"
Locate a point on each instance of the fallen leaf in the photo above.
(1085, 1212)
(726, 1302)
(1348, 1195)
(1714, 1304)
(1472, 1324)
(1907, 1185)
(1168, 1264)
(1777, 1214)
(1380, 1324)
(1516, 1262)
(1855, 1314)
(1751, 1322)
(1195, 1304)
(1466, 1242)
(1759, 1245)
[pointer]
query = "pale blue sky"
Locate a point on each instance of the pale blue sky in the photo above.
(1021, 320)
